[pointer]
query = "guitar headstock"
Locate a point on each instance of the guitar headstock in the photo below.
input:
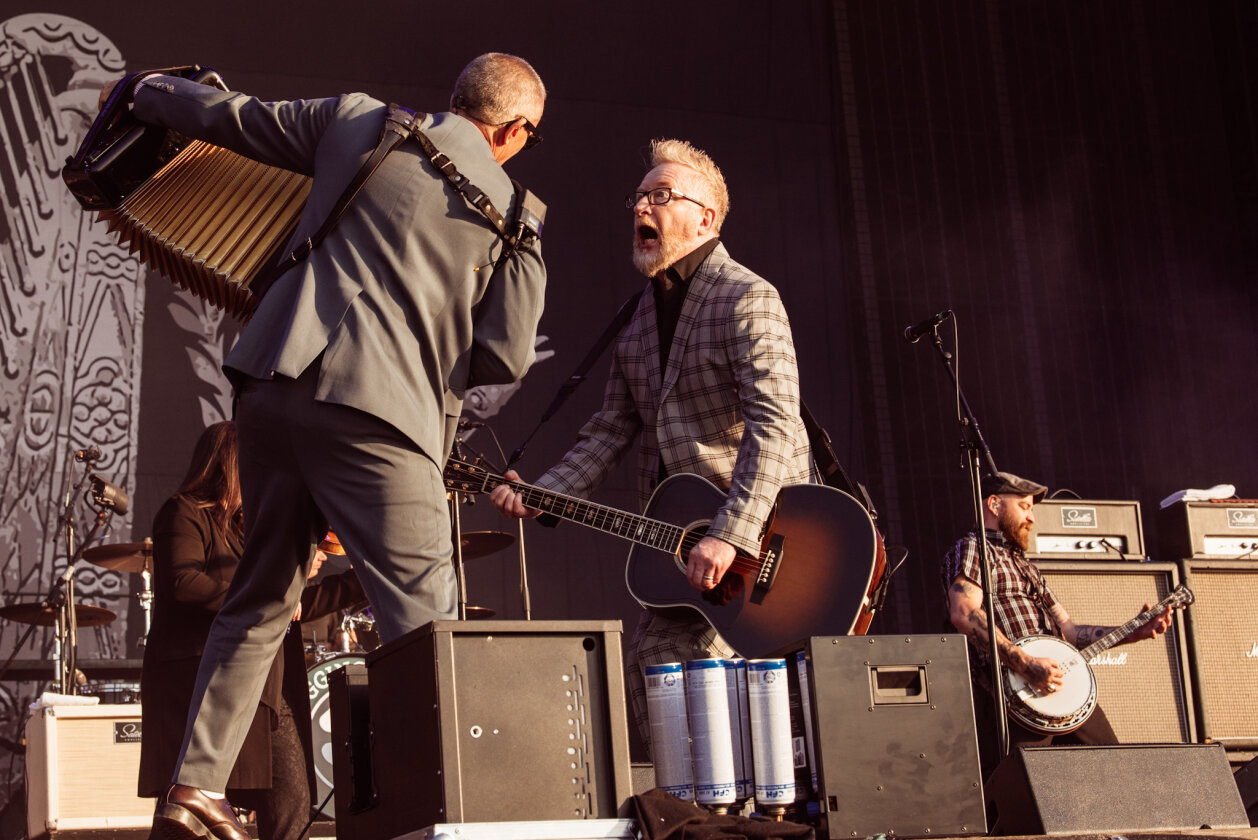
(464, 477)
(1181, 597)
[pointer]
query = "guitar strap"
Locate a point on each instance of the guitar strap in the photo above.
(570, 385)
(832, 471)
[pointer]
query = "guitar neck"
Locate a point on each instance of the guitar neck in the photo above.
(1119, 634)
(651, 533)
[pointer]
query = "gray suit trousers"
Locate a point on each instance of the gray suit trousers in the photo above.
(305, 466)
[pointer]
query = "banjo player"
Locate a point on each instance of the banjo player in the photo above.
(1025, 606)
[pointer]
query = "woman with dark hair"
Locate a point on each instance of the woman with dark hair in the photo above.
(197, 542)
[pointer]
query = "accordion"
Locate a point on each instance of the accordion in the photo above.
(206, 218)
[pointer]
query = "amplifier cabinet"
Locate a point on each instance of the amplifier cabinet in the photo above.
(487, 721)
(1144, 687)
(1223, 636)
(1226, 530)
(82, 766)
(896, 747)
(1086, 529)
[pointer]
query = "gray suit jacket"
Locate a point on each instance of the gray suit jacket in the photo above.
(726, 407)
(401, 298)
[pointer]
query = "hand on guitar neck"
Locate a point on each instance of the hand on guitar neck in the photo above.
(706, 563)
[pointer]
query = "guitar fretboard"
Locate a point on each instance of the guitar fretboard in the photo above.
(651, 533)
(1180, 597)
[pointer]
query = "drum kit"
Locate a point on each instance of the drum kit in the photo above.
(59, 611)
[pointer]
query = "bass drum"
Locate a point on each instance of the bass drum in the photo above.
(321, 724)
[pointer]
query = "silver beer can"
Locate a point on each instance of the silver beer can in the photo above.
(711, 746)
(670, 729)
(769, 709)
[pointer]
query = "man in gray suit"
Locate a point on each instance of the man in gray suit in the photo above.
(705, 374)
(351, 374)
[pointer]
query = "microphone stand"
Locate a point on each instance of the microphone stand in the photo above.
(977, 456)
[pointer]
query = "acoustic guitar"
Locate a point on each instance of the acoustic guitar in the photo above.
(820, 561)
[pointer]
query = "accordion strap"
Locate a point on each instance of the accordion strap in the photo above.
(399, 124)
(391, 135)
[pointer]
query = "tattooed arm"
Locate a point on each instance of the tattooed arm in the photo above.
(968, 615)
(1082, 635)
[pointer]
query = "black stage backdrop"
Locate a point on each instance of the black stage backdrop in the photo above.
(1076, 181)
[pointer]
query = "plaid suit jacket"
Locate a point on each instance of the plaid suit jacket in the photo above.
(726, 408)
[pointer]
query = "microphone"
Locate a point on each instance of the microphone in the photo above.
(914, 333)
(92, 453)
(470, 424)
(110, 495)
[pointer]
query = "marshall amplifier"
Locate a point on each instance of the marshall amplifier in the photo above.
(1084, 529)
(1223, 636)
(1225, 530)
(1144, 688)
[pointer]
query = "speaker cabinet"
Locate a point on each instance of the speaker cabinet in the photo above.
(895, 741)
(492, 721)
(1131, 787)
(1223, 635)
(81, 767)
(1143, 687)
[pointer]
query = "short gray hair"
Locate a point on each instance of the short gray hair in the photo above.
(495, 88)
(710, 183)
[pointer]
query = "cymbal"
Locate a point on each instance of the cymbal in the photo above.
(481, 543)
(478, 612)
(85, 615)
(122, 557)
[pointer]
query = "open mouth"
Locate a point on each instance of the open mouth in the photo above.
(646, 233)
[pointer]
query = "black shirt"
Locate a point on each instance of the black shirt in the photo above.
(670, 287)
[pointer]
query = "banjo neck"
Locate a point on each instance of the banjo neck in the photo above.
(1181, 597)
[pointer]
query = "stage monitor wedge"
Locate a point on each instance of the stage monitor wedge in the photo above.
(1125, 788)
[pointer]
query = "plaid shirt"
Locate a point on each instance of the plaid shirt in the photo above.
(1020, 594)
(726, 407)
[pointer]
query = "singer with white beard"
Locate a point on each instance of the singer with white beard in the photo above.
(705, 374)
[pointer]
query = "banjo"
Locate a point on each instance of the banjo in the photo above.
(1069, 707)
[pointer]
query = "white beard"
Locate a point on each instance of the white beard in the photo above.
(668, 252)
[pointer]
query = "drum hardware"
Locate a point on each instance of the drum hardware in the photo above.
(136, 558)
(58, 609)
(474, 544)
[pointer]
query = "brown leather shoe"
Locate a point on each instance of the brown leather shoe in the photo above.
(185, 813)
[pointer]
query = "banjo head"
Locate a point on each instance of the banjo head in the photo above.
(1066, 708)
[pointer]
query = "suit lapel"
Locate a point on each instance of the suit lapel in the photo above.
(649, 338)
(696, 293)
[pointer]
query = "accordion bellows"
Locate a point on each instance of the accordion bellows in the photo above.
(210, 221)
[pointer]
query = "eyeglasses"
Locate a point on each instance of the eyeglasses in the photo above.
(657, 196)
(534, 138)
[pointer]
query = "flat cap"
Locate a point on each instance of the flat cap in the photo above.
(1007, 483)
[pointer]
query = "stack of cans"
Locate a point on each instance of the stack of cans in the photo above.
(721, 732)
